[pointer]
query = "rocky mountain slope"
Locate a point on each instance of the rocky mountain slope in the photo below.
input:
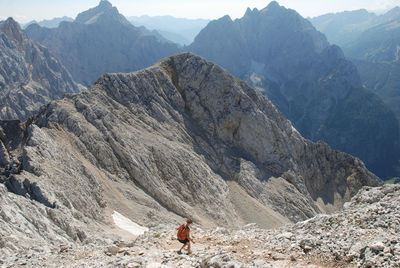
(374, 50)
(101, 40)
(376, 55)
(311, 82)
(365, 234)
(30, 75)
(383, 79)
(378, 43)
(180, 138)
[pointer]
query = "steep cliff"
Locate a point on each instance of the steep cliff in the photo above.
(180, 138)
(30, 76)
(310, 81)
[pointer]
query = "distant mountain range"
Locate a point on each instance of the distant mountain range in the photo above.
(345, 27)
(274, 49)
(52, 23)
(30, 76)
(310, 81)
(373, 45)
(179, 30)
(100, 41)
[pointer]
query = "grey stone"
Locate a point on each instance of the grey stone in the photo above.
(30, 76)
(182, 138)
(377, 246)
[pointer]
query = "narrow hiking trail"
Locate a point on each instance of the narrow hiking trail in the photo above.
(158, 248)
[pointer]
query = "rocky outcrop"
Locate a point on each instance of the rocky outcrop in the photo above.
(364, 234)
(180, 138)
(29, 75)
(101, 40)
(310, 81)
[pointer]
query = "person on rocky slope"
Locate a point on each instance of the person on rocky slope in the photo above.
(183, 236)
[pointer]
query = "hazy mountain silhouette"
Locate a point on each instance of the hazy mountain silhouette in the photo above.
(309, 80)
(179, 30)
(345, 27)
(373, 45)
(101, 40)
(52, 23)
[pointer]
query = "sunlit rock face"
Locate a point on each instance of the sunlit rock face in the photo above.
(182, 138)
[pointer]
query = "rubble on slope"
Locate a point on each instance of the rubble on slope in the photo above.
(364, 234)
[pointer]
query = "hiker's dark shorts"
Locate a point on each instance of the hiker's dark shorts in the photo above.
(183, 241)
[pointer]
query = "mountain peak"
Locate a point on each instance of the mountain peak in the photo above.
(105, 4)
(11, 21)
(394, 12)
(225, 18)
(274, 8)
(248, 12)
(104, 11)
(11, 25)
(273, 5)
(12, 29)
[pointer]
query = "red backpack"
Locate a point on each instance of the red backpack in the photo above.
(183, 232)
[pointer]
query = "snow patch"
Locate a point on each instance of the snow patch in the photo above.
(128, 225)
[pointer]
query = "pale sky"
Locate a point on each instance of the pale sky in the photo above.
(27, 10)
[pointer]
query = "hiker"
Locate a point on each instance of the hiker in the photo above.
(184, 236)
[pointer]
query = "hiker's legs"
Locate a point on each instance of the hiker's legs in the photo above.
(188, 249)
(183, 246)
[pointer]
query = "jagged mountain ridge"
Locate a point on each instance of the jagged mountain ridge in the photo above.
(343, 28)
(282, 55)
(30, 76)
(376, 55)
(377, 44)
(374, 50)
(180, 138)
(99, 41)
(363, 35)
(52, 23)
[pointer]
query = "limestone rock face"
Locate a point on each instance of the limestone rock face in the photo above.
(101, 40)
(310, 81)
(30, 75)
(180, 138)
(363, 234)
